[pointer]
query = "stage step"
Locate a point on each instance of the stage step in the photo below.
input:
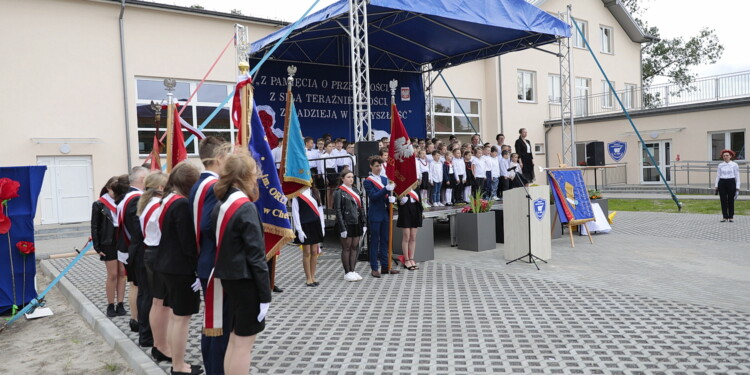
(55, 231)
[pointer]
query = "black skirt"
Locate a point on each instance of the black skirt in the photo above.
(333, 177)
(313, 234)
(352, 230)
(244, 307)
(425, 184)
(409, 215)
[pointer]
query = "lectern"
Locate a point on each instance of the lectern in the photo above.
(517, 223)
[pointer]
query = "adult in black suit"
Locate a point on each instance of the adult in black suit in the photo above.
(526, 153)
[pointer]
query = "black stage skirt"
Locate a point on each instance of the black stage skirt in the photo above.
(409, 215)
(425, 184)
(313, 234)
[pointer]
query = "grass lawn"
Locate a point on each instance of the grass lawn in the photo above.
(692, 206)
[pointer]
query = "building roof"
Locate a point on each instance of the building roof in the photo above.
(623, 17)
(200, 12)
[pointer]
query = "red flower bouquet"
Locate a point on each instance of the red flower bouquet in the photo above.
(8, 191)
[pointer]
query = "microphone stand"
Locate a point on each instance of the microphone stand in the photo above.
(532, 258)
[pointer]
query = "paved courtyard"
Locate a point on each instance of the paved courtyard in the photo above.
(662, 294)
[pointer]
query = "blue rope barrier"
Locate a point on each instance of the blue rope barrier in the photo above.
(38, 301)
(627, 115)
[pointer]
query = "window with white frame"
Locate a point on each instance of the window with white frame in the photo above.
(526, 86)
(727, 140)
(538, 148)
(605, 35)
(577, 39)
(606, 95)
(581, 156)
(554, 90)
(628, 96)
(210, 95)
(450, 120)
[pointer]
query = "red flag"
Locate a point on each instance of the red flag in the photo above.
(179, 153)
(401, 159)
(155, 151)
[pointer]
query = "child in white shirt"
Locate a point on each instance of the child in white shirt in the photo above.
(436, 178)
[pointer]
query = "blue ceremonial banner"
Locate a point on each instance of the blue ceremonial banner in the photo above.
(295, 168)
(572, 193)
(323, 99)
(271, 201)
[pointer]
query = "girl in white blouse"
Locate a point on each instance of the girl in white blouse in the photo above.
(727, 184)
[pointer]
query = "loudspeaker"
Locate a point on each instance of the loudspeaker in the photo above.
(595, 153)
(363, 150)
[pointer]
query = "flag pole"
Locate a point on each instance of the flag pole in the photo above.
(292, 70)
(170, 84)
(393, 85)
(245, 106)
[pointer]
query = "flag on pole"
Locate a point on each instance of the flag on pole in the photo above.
(271, 201)
(295, 168)
(401, 159)
(178, 151)
(155, 151)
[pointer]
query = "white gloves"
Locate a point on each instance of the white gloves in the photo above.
(301, 235)
(736, 194)
(391, 199)
(196, 285)
(404, 200)
(122, 257)
(263, 311)
(390, 186)
(343, 234)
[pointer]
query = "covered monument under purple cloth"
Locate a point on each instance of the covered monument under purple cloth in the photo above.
(17, 283)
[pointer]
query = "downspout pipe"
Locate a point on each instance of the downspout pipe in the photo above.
(547, 129)
(125, 85)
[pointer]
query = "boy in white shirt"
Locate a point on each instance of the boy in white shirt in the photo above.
(504, 162)
(436, 178)
(494, 172)
(459, 168)
(480, 170)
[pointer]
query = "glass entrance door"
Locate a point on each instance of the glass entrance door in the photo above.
(661, 150)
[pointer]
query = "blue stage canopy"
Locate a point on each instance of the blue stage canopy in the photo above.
(406, 34)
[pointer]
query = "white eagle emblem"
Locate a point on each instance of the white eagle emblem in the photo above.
(403, 149)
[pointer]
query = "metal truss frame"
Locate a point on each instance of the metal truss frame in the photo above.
(567, 110)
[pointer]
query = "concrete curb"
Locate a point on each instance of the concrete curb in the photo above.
(138, 361)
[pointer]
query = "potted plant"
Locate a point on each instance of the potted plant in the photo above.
(597, 197)
(475, 224)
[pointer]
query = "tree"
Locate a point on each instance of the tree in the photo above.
(673, 58)
(197, 6)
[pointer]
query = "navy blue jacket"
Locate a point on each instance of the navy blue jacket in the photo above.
(378, 209)
(449, 177)
(208, 237)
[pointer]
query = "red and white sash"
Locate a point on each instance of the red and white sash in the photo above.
(148, 211)
(352, 194)
(310, 203)
(121, 213)
(213, 324)
(376, 182)
(108, 202)
(166, 202)
(200, 200)
(414, 195)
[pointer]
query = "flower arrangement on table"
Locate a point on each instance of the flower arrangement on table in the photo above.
(477, 204)
(595, 194)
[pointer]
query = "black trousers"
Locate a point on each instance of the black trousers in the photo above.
(144, 300)
(727, 190)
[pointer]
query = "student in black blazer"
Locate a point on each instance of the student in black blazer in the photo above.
(176, 262)
(350, 221)
(103, 221)
(241, 258)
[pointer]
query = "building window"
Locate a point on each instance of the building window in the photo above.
(581, 153)
(605, 34)
(577, 39)
(554, 90)
(581, 100)
(628, 96)
(538, 148)
(606, 95)
(203, 104)
(449, 119)
(727, 140)
(526, 86)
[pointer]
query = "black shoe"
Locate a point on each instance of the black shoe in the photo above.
(316, 283)
(276, 289)
(134, 325)
(120, 309)
(311, 284)
(111, 311)
(159, 356)
(194, 370)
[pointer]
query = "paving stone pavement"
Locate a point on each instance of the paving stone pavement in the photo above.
(469, 313)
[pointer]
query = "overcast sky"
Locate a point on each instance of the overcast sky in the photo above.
(673, 17)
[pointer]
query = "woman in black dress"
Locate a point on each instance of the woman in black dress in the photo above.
(350, 219)
(409, 220)
(103, 221)
(309, 224)
(525, 152)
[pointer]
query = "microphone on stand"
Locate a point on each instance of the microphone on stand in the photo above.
(512, 168)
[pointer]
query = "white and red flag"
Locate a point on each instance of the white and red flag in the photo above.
(401, 159)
